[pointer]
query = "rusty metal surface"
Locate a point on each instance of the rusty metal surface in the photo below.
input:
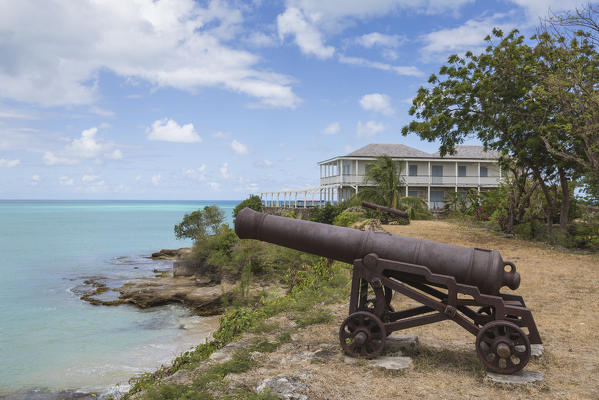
(478, 267)
(392, 211)
(362, 335)
(503, 347)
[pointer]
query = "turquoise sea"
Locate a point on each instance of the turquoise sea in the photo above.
(50, 340)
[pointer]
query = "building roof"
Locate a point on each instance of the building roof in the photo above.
(471, 152)
(392, 150)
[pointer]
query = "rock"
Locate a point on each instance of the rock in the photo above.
(152, 292)
(185, 267)
(226, 353)
(397, 343)
(287, 387)
(167, 254)
(386, 362)
(536, 350)
(392, 363)
(519, 378)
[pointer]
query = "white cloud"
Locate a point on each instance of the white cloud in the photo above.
(239, 148)
(221, 135)
(66, 181)
(196, 173)
(115, 155)
(51, 159)
(260, 39)
(214, 185)
(86, 146)
(377, 102)
(369, 129)
(263, 163)
(467, 37)
(398, 69)
(331, 129)
(375, 39)
(293, 23)
(56, 50)
(101, 111)
(309, 20)
(170, 131)
(35, 179)
(156, 179)
(89, 178)
(536, 9)
(4, 163)
(224, 171)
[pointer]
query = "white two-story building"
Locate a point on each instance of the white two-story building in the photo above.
(426, 176)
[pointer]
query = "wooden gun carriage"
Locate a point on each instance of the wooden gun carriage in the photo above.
(451, 282)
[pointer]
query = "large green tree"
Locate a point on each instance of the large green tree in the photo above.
(491, 96)
(567, 48)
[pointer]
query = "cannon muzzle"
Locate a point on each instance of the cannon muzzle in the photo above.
(471, 266)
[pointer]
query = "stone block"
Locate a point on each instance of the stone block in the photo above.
(519, 378)
(536, 350)
(391, 363)
(397, 343)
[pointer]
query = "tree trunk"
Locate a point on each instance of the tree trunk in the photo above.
(548, 199)
(565, 208)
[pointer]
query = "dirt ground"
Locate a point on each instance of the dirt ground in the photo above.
(561, 288)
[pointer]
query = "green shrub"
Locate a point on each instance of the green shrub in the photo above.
(252, 202)
(326, 214)
(348, 218)
(200, 223)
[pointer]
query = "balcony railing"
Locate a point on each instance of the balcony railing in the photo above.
(419, 180)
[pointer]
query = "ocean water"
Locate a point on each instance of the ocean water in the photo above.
(50, 340)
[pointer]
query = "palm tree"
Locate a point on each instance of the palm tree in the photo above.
(384, 174)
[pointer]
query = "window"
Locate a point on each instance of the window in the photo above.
(461, 170)
(413, 193)
(484, 172)
(413, 170)
(346, 169)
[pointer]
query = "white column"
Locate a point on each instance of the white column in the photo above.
(429, 196)
(356, 170)
(407, 176)
(430, 179)
(499, 167)
(456, 177)
(478, 176)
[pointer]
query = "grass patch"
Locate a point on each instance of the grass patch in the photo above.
(318, 317)
(429, 359)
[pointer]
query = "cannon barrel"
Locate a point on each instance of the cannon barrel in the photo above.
(472, 266)
(394, 211)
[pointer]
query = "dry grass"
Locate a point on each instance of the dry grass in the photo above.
(561, 288)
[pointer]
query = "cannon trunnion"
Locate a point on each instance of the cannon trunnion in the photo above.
(451, 282)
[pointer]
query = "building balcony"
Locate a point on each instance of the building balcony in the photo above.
(419, 180)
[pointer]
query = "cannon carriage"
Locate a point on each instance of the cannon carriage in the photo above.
(450, 282)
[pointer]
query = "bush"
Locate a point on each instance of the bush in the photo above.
(348, 218)
(252, 202)
(326, 214)
(200, 223)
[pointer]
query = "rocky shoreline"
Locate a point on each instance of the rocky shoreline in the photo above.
(190, 283)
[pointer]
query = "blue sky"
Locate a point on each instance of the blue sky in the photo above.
(184, 99)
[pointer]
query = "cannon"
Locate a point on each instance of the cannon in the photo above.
(393, 211)
(451, 282)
